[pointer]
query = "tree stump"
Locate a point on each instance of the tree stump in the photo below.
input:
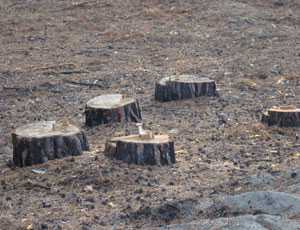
(142, 150)
(184, 87)
(42, 141)
(284, 116)
(112, 108)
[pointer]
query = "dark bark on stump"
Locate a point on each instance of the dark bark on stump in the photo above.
(283, 117)
(133, 150)
(39, 142)
(110, 109)
(184, 87)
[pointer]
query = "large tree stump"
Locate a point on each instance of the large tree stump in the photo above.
(184, 87)
(112, 108)
(285, 116)
(42, 141)
(136, 149)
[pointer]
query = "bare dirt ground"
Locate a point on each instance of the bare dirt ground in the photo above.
(124, 46)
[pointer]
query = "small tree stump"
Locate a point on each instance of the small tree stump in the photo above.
(284, 116)
(184, 87)
(137, 149)
(42, 141)
(112, 108)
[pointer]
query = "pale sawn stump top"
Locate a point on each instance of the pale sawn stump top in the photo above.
(46, 129)
(185, 78)
(109, 101)
(158, 139)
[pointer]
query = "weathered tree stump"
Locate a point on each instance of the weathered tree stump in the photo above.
(284, 116)
(142, 150)
(112, 108)
(184, 87)
(42, 141)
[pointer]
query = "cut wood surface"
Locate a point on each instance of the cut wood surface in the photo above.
(137, 149)
(184, 87)
(284, 116)
(47, 140)
(112, 108)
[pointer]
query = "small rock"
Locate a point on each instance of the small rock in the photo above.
(90, 199)
(29, 227)
(276, 69)
(104, 202)
(173, 32)
(173, 131)
(85, 227)
(293, 175)
(44, 226)
(140, 190)
(89, 206)
(223, 118)
(88, 188)
(46, 204)
(57, 227)
(279, 2)
(111, 204)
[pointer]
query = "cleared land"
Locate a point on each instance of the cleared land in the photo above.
(56, 55)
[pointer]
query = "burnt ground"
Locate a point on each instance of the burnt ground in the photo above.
(124, 46)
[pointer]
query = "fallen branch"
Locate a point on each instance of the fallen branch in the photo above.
(12, 88)
(31, 184)
(80, 5)
(49, 66)
(66, 72)
(18, 89)
(94, 83)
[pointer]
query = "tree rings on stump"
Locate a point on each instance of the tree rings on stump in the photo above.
(184, 87)
(136, 149)
(112, 108)
(284, 116)
(42, 141)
